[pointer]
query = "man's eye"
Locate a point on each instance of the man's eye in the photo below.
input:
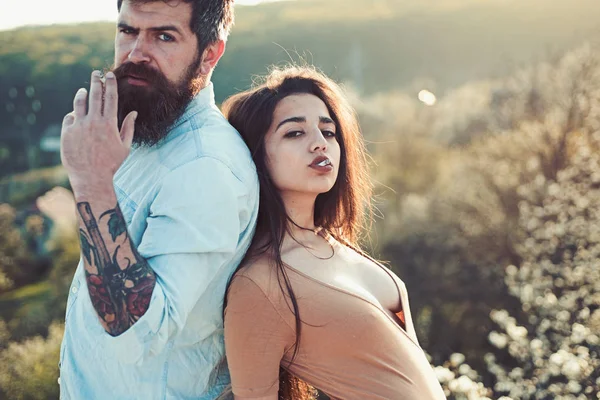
(293, 134)
(165, 37)
(127, 31)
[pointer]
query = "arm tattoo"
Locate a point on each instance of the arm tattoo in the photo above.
(119, 279)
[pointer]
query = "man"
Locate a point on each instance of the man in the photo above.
(163, 222)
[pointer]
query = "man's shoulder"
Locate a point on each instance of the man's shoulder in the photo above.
(211, 131)
(208, 134)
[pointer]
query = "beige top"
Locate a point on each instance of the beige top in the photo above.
(350, 347)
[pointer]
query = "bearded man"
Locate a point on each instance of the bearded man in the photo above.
(167, 197)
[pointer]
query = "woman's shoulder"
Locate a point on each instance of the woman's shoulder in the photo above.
(260, 270)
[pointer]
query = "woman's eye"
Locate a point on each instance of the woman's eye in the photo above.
(329, 134)
(293, 134)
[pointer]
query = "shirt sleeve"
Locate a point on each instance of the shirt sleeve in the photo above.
(256, 339)
(192, 233)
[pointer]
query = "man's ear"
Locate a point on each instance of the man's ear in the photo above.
(211, 56)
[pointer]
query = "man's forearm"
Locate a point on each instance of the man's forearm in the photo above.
(120, 281)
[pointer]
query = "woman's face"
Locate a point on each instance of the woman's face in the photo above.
(303, 154)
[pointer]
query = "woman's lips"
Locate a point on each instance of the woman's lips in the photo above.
(322, 164)
(323, 169)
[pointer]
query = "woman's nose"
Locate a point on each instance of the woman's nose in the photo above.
(319, 142)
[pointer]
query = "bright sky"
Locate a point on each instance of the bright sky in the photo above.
(43, 12)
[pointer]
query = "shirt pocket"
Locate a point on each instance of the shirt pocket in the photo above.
(126, 205)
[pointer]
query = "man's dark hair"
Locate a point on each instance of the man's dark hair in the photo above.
(211, 19)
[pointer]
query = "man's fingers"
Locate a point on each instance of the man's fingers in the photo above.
(110, 96)
(68, 119)
(128, 128)
(96, 89)
(79, 103)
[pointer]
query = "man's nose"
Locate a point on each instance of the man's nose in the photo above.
(139, 53)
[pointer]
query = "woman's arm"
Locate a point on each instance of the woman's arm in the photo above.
(256, 339)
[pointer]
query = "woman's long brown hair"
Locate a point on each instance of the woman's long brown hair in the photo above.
(341, 212)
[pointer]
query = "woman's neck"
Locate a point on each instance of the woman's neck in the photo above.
(301, 227)
(300, 209)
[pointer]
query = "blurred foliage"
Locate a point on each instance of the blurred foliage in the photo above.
(29, 364)
(13, 251)
(508, 222)
(21, 190)
(556, 349)
(29, 369)
(33, 247)
(20, 258)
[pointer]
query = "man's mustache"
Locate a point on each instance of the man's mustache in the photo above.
(141, 71)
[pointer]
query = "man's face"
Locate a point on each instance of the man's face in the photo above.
(156, 64)
(158, 35)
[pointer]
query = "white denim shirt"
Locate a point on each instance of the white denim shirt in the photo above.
(190, 205)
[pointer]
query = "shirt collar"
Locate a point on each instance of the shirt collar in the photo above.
(205, 98)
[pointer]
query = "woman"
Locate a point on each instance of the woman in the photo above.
(306, 298)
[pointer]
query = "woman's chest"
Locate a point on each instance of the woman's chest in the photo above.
(338, 324)
(349, 272)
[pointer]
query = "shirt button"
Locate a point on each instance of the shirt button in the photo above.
(74, 290)
(58, 380)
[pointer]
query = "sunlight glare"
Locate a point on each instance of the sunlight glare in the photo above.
(427, 97)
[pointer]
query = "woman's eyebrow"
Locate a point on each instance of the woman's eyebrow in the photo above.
(291, 119)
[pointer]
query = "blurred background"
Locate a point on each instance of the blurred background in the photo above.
(483, 123)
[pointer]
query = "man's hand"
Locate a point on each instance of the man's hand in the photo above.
(92, 147)
(120, 281)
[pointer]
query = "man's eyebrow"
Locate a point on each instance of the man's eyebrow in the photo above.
(163, 28)
(123, 25)
(291, 119)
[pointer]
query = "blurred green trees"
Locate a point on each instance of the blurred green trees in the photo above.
(29, 369)
(499, 251)
(38, 255)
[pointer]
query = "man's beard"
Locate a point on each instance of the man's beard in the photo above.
(159, 104)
